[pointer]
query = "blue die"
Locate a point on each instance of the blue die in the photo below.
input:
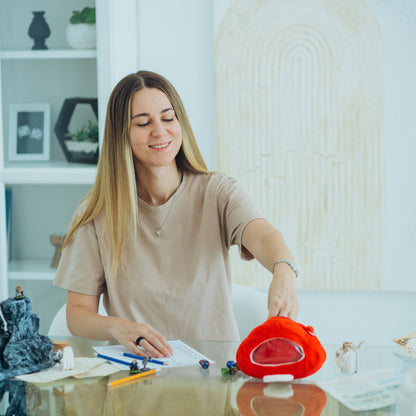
(204, 363)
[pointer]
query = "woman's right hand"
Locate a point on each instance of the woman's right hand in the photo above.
(127, 332)
(83, 320)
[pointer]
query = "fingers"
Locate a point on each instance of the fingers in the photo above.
(285, 304)
(278, 308)
(151, 343)
(293, 314)
(155, 345)
(127, 332)
(136, 350)
(289, 313)
(283, 297)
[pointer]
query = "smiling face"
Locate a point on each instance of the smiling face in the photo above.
(155, 132)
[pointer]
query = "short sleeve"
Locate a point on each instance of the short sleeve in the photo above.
(80, 268)
(237, 208)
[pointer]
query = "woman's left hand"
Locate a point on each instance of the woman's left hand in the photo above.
(266, 244)
(283, 296)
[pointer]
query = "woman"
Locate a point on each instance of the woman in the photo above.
(153, 234)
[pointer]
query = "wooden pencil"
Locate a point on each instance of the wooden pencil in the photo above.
(131, 378)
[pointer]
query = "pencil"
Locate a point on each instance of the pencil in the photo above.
(106, 357)
(130, 378)
(152, 360)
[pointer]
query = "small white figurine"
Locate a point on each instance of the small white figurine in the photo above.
(346, 357)
(67, 361)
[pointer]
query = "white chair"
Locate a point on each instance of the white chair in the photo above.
(250, 309)
(59, 328)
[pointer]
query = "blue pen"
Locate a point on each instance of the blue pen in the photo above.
(137, 357)
(106, 357)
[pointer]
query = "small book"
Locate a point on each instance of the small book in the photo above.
(9, 221)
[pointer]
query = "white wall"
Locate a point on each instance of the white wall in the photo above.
(397, 21)
(374, 317)
(175, 39)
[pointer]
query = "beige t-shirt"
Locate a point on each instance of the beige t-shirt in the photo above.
(178, 282)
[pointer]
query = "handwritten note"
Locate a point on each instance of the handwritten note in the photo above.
(183, 355)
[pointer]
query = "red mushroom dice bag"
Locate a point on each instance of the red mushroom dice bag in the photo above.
(281, 346)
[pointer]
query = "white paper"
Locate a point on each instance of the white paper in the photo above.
(84, 367)
(366, 391)
(183, 355)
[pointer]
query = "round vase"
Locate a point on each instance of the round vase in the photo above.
(39, 30)
(81, 35)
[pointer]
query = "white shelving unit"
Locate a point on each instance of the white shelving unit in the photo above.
(48, 54)
(44, 175)
(30, 269)
(49, 173)
(43, 193)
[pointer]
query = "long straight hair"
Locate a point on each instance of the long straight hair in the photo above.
(114, 192)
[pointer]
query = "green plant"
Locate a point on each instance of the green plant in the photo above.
(88, 133)
(86, 15)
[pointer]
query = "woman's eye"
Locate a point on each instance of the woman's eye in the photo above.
(142, 124)
(168, 119)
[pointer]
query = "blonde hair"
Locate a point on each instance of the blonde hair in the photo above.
(114, 192)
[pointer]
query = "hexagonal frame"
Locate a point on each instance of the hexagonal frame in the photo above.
(61, 129)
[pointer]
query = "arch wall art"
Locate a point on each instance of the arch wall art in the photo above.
(300, 109)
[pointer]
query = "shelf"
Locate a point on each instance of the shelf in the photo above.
(45, 194)
(31, 269)
(50, 54)
(48, 173)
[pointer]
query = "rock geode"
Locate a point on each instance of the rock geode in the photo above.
(22, 349)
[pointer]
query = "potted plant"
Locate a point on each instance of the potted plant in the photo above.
(81, 32)
(80, 146)
(83, 144)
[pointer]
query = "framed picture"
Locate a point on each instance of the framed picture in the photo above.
(29, 132)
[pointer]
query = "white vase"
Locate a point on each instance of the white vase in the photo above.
(81, 35)
(85, 147)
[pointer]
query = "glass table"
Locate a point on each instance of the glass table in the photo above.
(197, 391)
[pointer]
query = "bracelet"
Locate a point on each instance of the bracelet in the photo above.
(289, 263)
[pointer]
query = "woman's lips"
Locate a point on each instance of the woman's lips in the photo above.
(160, 146)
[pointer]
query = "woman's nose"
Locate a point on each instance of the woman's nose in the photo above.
(158, 129)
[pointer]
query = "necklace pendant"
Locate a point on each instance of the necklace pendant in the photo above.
(158, 232)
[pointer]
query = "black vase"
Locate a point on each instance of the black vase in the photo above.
(39, 30)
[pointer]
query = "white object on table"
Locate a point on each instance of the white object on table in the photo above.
(68, 362)
(278, 378)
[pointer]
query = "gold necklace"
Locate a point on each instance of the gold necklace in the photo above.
(158, 229)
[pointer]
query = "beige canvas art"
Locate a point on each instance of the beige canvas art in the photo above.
(300, 110)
